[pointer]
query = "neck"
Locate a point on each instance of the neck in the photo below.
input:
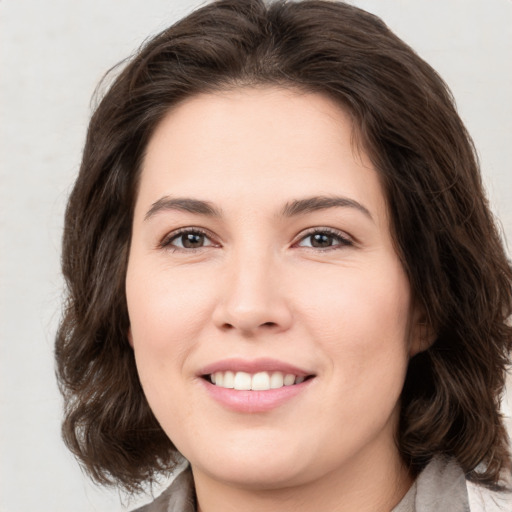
(375, 484)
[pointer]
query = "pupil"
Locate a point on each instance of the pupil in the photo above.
(192, 240)
(321, 240)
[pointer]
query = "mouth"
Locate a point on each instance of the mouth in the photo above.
(256, 385)
(259, 381)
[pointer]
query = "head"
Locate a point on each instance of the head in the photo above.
(403, 128)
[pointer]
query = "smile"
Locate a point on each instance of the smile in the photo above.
(261, 381)
(254, 386)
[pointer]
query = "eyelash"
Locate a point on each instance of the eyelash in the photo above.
(166, 242)
(343, 240)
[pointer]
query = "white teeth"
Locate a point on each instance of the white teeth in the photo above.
(276, 380)
(261, 381)
(242, 381)
(289, 379)
(219, 378)
(229, 380)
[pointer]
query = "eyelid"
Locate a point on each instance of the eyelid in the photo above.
(165, 242)
(347, 240)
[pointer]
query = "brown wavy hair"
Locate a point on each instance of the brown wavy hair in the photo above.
(441, 222)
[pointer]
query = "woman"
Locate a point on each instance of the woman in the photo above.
(282, 267)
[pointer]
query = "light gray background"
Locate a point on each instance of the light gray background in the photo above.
(53, 53)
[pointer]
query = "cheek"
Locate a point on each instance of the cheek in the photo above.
(165, 308)
(165, 323)
(361, 319)
(166, 312)
(357, 301)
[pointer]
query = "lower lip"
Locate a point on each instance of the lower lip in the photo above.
(254, 401)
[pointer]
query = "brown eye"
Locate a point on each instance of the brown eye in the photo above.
(324, 239)
(192, 240)
(321, 240)
(187, 240)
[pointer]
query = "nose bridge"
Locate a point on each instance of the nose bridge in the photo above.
(252, 275)
(253, 297)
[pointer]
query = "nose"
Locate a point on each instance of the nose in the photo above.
(253, 298)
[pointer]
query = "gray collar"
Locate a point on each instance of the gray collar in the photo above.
(441, 486)
(178, 497)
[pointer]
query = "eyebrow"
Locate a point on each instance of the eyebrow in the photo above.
(311, 204)
(290, 209)
(183, 204)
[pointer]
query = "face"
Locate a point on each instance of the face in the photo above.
(271, 318)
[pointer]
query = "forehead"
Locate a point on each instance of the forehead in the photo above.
(262, 144)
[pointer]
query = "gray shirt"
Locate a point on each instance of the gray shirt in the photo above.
(440, 487)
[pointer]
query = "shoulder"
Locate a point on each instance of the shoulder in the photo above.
(442, 485)
(485, 500)
(178, 497)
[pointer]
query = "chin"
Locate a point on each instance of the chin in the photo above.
(260, 467)
(268, 476)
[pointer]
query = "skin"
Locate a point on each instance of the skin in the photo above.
(258, 286)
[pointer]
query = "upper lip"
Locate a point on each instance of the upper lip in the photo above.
(253, 366)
